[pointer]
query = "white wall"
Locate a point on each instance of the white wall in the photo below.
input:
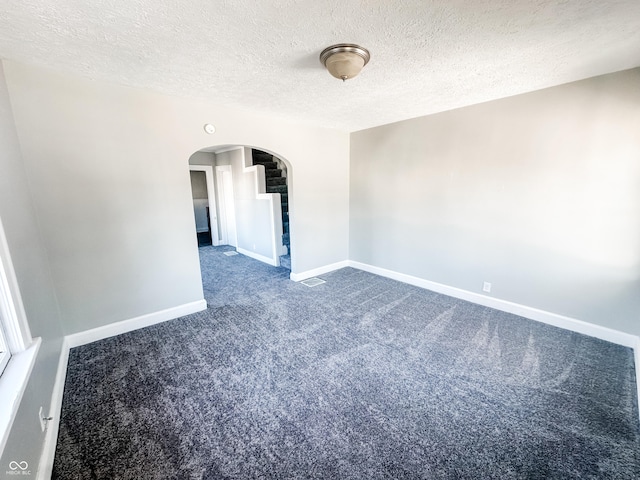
(538, 194)
(258, 214)
(34, 278)
(93, 150)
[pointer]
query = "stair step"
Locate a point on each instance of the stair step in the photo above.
(277, 189)
(276, 183)
(273, 172)
(285, 261)
(260, 155)
(267, 165)
(272, 181)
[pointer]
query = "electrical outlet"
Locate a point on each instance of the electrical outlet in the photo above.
(486, 287)
(43, 419)
(43, 422)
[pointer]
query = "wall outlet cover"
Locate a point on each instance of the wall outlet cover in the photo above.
(43, 421)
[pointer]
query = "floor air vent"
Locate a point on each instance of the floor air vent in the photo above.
(312, 282)
(230, 254)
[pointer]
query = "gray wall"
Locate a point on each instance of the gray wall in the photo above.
(200, 200)
(199, 185)
(110, 177)
(34, 278)
(538, 194)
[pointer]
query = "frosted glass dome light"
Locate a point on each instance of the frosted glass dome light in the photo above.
(344, 60)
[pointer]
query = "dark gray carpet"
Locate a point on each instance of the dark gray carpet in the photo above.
(359, 378)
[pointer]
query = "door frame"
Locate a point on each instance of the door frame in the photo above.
(224, 208)
(211, 195)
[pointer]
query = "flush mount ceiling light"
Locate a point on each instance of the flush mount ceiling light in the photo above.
(344, 60)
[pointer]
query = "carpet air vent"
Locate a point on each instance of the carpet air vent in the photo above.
(313, 282)
(230, 254)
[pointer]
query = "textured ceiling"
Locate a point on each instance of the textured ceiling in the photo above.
(427, 56)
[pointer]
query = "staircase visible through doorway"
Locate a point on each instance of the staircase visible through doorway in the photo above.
(276, 182)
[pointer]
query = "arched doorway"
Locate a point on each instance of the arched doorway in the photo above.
(246, 203)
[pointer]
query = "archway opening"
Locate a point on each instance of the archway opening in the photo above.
(242, 199)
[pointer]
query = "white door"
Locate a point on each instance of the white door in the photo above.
(227, 206)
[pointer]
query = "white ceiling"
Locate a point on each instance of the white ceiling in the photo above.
(427, 56)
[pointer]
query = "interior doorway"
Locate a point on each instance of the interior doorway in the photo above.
(204, 204)
(250, 191)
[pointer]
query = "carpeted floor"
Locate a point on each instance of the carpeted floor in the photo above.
(358, 378)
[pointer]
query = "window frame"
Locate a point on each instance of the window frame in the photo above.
(5, 353)
(12, 313)
(22, 348)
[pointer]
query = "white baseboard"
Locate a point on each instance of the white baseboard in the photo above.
(275, 262)
(48, 454)
(118, 328)
(82, 338)
(567, 323)
(298, 277)
(55, 408)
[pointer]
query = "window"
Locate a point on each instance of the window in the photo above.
(18, 350)
(14, 328)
